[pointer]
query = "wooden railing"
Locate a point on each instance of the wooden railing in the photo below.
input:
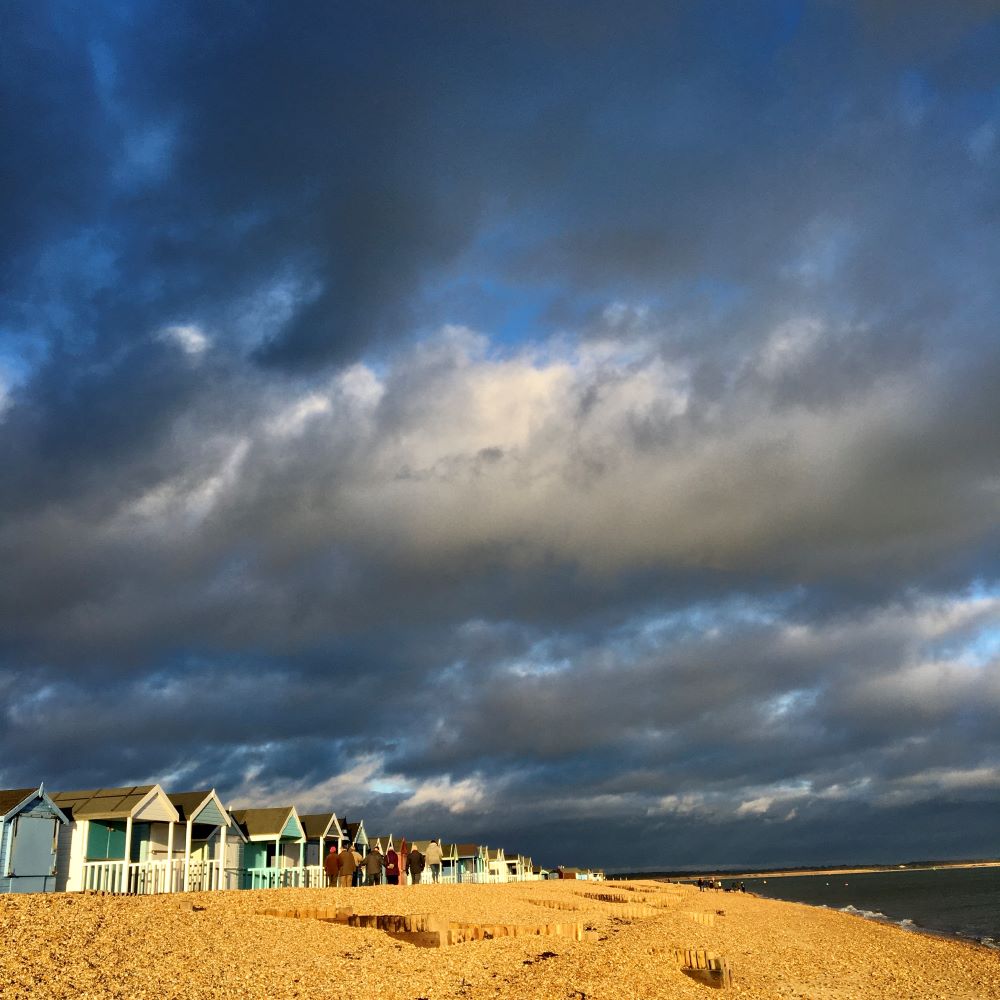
(142, 878)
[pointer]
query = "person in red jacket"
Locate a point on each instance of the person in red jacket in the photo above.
(331, 865)
(391, 867)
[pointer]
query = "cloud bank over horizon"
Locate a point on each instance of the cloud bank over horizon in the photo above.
(572, 431)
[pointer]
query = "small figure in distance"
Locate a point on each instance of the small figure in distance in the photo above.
(348, 864)
(414, 864)
(359, 866)
(374, 864)
(433, 858)
(331, 866)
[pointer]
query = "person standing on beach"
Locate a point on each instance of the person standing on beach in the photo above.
(433, 858)
(347, 866)
(331, 866)
(415, 864)
(374, 864)
(391, 867)
(359, 871)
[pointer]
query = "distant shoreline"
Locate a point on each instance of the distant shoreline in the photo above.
(859, 871)
(791, 872)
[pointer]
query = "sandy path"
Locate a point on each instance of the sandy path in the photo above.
(72, 945)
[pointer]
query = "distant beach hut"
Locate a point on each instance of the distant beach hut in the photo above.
(355, 835)
(515, 867)
(496, 862)
(470, 863)
(29, 828)
(322, 831)
(113, 840)
(274, 853)
(449, 862)
(203, 824)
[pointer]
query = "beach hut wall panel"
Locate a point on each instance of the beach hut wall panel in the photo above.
(29, 825)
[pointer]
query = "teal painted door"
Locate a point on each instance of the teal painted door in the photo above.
(33, 856)
(255, 855)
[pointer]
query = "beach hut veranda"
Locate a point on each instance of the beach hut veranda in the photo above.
(29, 829)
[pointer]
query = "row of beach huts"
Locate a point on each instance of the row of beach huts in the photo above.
(141, 840)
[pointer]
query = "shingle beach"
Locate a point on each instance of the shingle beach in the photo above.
(202, 946)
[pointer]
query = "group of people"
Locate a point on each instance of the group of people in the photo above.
(708, 883)
(347, 867)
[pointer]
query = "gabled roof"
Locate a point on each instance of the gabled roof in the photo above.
(353, 829)
(265, 824)
(190, 805)
(318, 825)
(13, 800)
(113, 803)
(468, 850)
(496, 855)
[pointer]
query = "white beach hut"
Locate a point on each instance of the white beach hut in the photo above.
(112, 840)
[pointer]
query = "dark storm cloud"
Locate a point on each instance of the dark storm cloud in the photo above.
(702, 543)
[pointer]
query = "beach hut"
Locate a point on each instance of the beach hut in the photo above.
(203, 827)
(470, 863)
(274, 852)
(116, 840)
(449, 862)
(496, 865)
(515, 870)
(29, 828)
(322, 831)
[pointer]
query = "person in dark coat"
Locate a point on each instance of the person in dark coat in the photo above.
(374, 864)
(347, 866)
(331, 865)
(391, 867)
(414, 864)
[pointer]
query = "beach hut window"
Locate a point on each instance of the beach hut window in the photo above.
(106, 840)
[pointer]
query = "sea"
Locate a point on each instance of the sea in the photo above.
(957, 902)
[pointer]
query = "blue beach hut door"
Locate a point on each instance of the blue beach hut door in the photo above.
(32, 859)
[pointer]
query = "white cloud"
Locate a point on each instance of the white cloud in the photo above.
(189, 338)
(455, 796)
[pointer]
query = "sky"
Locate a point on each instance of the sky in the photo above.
(570, 426)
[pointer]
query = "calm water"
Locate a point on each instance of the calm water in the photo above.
(959, 901)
